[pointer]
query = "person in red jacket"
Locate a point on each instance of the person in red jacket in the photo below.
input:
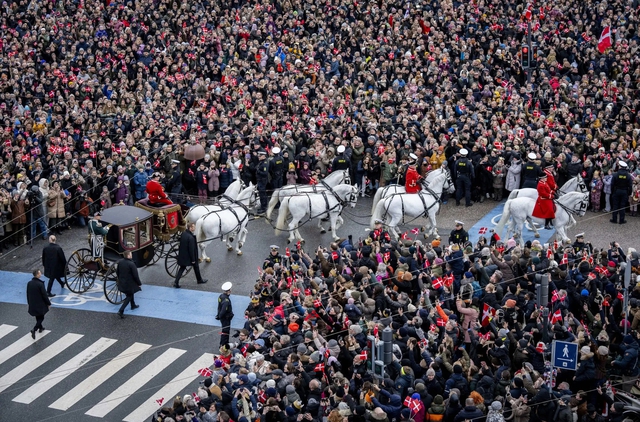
(544, 207)
(412, 183)
(156, 192)
(551, 180)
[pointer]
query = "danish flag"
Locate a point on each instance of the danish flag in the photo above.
(448, 280)
(554, 296)
(549, 253)
(565, 259)
(440, 322)
(437, 283)
(205, 372)
(160, 401)
(319, 367)
(556, 317)
(482, 230)
(415, 230)
(488, 313)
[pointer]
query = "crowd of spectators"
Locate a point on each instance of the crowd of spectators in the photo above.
(305, 352)
(97, 95)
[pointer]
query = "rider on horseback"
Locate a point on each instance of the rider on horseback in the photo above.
(544, 207)
(412, 183)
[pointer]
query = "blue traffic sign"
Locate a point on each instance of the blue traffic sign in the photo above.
(564, 355)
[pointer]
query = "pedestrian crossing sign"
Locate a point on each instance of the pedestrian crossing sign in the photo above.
(564, 355)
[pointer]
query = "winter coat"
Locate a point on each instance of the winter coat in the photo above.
(469, 413)
(188, 251)
(128, 279)
(393, 408)
(225, 177)
(586, 373)
(512, 181)
(37, 298)
(55, 204)
(563, 414)
(520, 411)
(140, 183)
(436, 411)
(214, 181)
(53, 261)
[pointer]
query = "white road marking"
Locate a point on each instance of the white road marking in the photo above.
(19, 346)
(6, 329)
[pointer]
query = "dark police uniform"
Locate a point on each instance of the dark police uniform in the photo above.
(531, 172)
(464, 175)
(277, 169)
(458, 236)
(621, 187)
(262, 178)
(225, 315)
(340, 162)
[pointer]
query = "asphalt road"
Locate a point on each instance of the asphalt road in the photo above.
(168, 350)
(242, 270)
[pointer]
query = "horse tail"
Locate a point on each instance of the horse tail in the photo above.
(506, 213)
(377, 197)
(378, 213)
(275, 197)
(282, 216)
(514, 194)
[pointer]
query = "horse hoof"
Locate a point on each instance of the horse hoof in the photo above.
(301, 240)
(200, 260)
(537, 235)
(231, 239)
(208, 259)
(229, 248)
(288, 241)
(239, 253)
(323, 231)
(329, 229)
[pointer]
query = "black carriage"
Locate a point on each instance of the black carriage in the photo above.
(129, 229)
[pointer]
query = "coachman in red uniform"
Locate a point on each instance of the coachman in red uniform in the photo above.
(551, 179)
(544, 207)
(412, 178)
(156, 192)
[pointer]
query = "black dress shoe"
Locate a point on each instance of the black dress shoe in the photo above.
(623, 222)
(33, 334)
(613, 221)
(203, 281)
(41, 329)
(177, 286)
(51, 294)
(121, 315)
(134, 307)
(469, 205)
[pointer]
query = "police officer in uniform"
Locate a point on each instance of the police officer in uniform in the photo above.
(276, 168)
(96, 236)
(531, 172)
(273, 258)
(459, 235)
(621, 187)
(225, 312)
(464, 176)
(262, 178)
(340, 162)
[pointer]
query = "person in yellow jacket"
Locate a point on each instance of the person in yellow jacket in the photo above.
(437, 158)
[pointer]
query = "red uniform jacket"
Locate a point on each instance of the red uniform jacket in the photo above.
(551, 181)
(544, 207)
(412, 184)
(156, 194)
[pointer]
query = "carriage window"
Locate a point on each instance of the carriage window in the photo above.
(145, 232)
(128, 237)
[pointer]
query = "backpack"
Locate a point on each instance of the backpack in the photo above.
(462, 385)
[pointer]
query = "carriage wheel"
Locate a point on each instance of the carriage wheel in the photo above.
(81, 272)
(158, 251)
(171, 262)
(110, 285)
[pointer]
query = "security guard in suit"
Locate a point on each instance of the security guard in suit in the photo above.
(464, 175)
(262, 179)
(621, 187)
(340, 162)
(276, 168)
(531, 172)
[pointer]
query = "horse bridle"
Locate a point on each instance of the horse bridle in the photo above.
(583, 204)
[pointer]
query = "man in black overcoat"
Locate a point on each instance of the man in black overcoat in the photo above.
(128, 282)
(54, 263)
(38, 301)
(188, 255)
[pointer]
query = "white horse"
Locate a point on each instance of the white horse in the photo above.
(426, 202)
(221, 222)
(334, 179)
(324, 203)
(575, 184)
(386, 191)
(226, 199)
(520, 208)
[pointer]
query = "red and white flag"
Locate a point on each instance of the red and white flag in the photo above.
(556, 317)
(160, 401)
(437, 283)
(605, 39)
(549, 253)
(415, 230)
(565, 259)
(482, 230)
(205, 372)
(488, 313)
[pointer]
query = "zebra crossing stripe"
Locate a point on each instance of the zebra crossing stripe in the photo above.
(171, 389)
(19, 346)
(134, 383)
(83, 389)
(6, 329)
(68, 368)
(30, 365)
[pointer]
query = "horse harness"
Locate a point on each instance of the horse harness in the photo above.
(233, 211)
